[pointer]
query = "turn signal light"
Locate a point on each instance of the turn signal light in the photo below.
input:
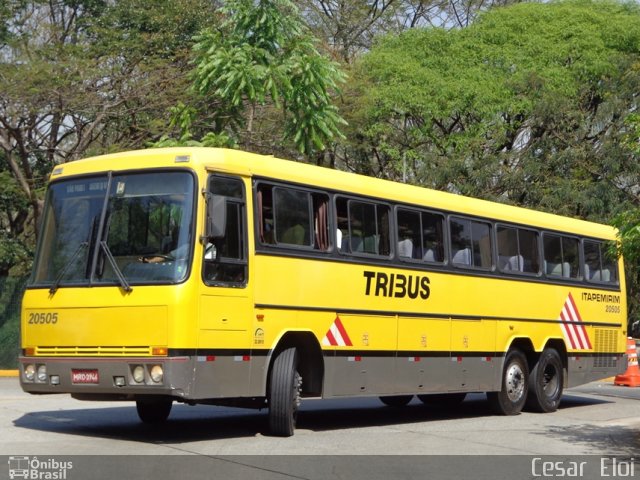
(159, 351)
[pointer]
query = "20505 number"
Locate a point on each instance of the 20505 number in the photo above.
(43, 318)
(612, 308)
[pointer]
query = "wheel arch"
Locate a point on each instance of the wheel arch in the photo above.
(310, 360)
(525, 345)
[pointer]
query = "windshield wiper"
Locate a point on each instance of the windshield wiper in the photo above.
(56, 283)
(116, 269)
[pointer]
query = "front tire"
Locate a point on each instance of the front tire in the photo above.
(515, 385)
(546, 382)
(284, 393)
(153, 411)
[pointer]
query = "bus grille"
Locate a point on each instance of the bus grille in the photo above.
(93, 351)
(605, 345)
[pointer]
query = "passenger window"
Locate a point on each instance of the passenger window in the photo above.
(291, 217)
(225, 258)
(470, 243)
(518, 250)
(561, 258)
(363, 227)
(599, 264)
(420, 235)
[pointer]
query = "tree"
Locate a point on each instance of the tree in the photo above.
(348, 28)
(261, 60)
(84, 77)
(529, 105)
(525, 106)
(628, 224)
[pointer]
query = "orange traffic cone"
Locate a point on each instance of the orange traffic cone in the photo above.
(631, 377)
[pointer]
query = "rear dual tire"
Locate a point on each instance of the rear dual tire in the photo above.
(539, 389)
(515, 385)
(546, 382)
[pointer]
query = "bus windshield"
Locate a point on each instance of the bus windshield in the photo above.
(100, 230)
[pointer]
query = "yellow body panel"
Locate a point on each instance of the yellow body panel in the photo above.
(451, 312)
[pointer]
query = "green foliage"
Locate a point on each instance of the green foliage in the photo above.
(531, 105)
(11, 290)
(10, 343)
(262, 53)
(526, 106)
(80, 78)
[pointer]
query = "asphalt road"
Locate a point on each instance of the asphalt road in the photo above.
(594, 419)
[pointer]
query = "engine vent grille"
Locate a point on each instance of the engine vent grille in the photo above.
(606, 345)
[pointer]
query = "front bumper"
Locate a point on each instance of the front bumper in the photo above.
(87, 377)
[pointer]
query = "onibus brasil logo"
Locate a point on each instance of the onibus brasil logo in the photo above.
(38, 469)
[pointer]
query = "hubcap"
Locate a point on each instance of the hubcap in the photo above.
(550, 381)
(515, 382)
(297, 391)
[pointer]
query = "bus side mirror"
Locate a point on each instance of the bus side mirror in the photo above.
(216, 217)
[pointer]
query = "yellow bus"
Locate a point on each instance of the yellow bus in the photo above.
(212, 276)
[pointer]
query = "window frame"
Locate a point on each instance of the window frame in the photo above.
(310, 230)
(421, 212)
(539, 247)
(472, 266)
(243, 235)
(580, 275)
(311, 194)
(366, 201)
(600, 244)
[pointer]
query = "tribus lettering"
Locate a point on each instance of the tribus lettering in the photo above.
(396, 285)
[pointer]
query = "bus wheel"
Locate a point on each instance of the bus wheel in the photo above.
(396, 400)
(153, 411)
(515, 381)
(546, 382)
(284, 393)
(443, 399)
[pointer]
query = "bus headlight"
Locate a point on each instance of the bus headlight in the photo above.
(156, 373)
(30, 372)
(138, 374)
(42, 373)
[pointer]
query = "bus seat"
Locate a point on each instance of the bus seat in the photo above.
(405, 248)
(553, 268)
(504, 263)
(606, 275)
(517, 263)
(370, 244)
(462, 257)
(429, 255)
(510, 263)
(356, 244)
(294, 235)
(566, 270)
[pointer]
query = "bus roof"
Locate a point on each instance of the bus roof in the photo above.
(250, 164)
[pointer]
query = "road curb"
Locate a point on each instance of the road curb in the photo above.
(8, 373)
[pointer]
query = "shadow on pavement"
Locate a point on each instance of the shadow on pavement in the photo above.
(189, 424)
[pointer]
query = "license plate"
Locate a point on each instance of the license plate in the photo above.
(85, 376)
